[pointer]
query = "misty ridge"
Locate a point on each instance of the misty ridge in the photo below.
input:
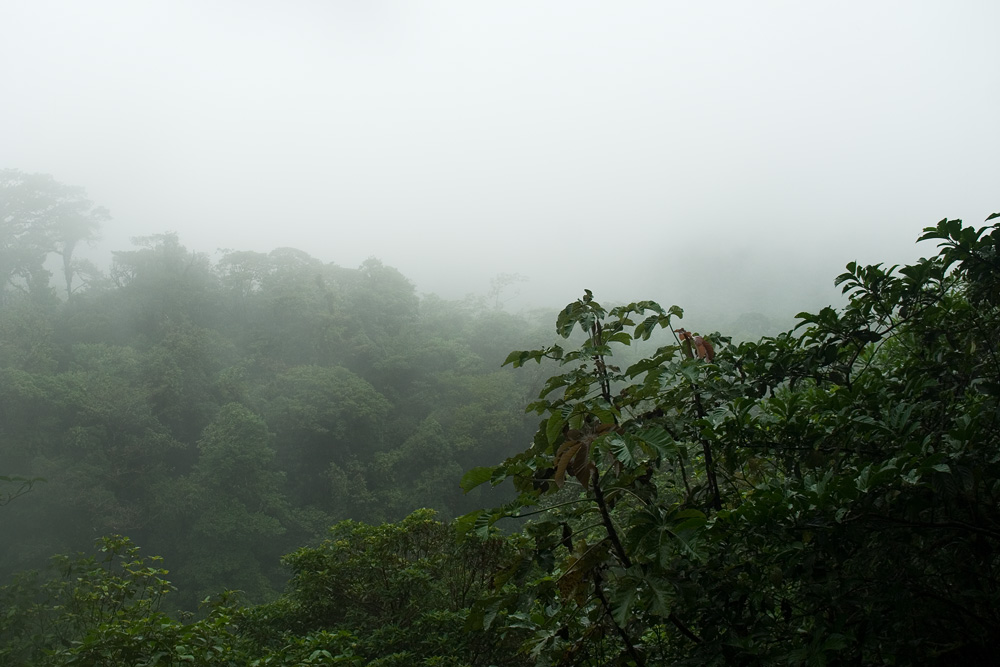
(49, 225)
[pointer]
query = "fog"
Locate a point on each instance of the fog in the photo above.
(726, 156)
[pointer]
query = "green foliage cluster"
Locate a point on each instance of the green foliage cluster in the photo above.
(223, 413)
(391, 595)
(91, 612)
(830, 495)
(402, 591)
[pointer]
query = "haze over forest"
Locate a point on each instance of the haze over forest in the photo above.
(725, 156)
(274, 279)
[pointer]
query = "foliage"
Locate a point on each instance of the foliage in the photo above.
(829, 495)
(388, 595)
(232, 510)
(93, 611)
(367, 400)
(401, 592)
(826, 495)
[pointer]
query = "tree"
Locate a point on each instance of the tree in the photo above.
(40, 217)
(162, 283)
(237, 506)
(830, 495)
(393, 595)
(107, 610)
(322, 416)
(402, 591)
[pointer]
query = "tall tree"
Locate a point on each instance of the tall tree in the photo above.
(40, 217)
(237, 509)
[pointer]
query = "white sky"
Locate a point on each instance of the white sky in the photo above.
(723, 153)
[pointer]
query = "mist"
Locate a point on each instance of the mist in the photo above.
(728, 157)
(277, 292)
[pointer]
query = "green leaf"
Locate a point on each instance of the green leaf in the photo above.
(685, 533)
(554, 383)
(320, 653)
(644, 365)
(467, 522)
(554, 427)
(621, 604)
(513, 358)
(620, 449)
(658, 440)
(482, 524)
(662, 595)
(476, 476)
(605, 414)
(644, 329)
(622, 337)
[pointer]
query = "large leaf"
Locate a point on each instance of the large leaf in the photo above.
(476, 476)
(554, 427)
(572, 456)
(657, 440)
(619, 448)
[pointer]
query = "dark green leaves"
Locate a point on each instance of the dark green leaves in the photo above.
(476, 476)
(856, 454)
(518, 359)
(583, 312)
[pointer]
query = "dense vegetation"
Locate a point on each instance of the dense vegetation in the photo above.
(829, 495)
(224, 413)
(826, 496)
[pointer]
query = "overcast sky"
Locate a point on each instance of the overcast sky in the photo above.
(725, 153)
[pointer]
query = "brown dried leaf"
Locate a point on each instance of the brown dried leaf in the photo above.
(583, 473)
(565, 455)
(705, 349)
